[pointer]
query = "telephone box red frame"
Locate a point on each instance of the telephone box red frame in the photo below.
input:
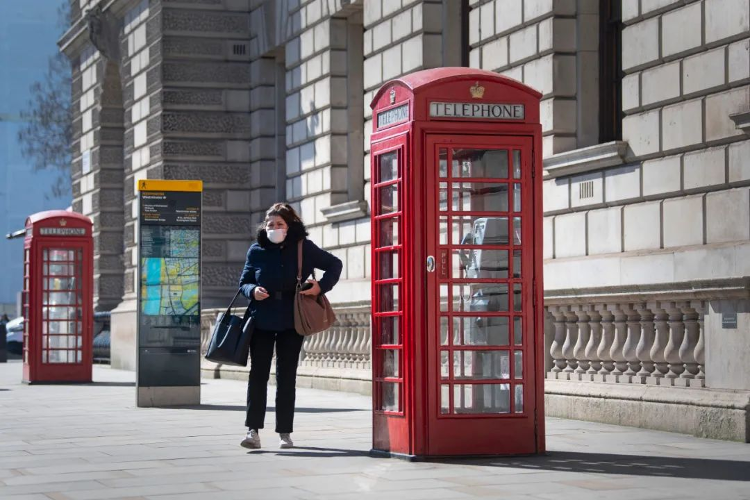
(408, 386)
(58, 298)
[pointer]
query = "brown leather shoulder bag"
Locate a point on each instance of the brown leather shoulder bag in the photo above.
(311, 314)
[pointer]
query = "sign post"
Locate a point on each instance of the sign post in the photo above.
(169, 249)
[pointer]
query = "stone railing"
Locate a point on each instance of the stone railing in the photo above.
(338, 358)
(656, 342)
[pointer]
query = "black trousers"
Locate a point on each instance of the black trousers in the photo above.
(288, 346)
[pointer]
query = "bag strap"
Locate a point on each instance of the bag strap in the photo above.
(225, 318)
(300, 244)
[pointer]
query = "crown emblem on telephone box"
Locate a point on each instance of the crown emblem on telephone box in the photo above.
(392, 95)
(63, 222)
(477, 91)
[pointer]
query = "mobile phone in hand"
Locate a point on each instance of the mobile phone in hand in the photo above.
(306, 286)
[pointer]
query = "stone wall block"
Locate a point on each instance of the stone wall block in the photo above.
(570, 235)
(660, 84)
(495, 54)
(704, 72)
(661, 176)
(605, 231)
(641, 131)
(642, 226)
(682, 125)
(508, 15)
(681, 29)
(739, 161)
(622, 183)
(631, 92)
(739, 61)
(728, 216)
(726, 18)
(705, 168)
(719, 107)
(523, 44)
(556, 194)
(683, 221)
(640, 44)
(594, 183)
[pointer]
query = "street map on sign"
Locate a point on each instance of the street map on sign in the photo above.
(170, 272)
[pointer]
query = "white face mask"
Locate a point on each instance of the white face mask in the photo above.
(276, 235)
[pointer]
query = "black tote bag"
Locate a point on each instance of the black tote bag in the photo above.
(230, 340)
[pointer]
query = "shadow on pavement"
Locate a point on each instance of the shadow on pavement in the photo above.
(314, 452)
(634, 465)
(270, 408)
(109, 384)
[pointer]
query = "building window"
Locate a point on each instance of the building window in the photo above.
(610, 71)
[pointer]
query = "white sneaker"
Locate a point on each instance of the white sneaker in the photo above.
(252, 440)
(286, 440)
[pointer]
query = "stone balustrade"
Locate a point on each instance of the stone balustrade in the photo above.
(658, 343)
(338, 358)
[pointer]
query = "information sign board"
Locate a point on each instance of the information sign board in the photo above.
(169, 249)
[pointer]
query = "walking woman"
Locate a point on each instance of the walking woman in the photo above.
(269, 281)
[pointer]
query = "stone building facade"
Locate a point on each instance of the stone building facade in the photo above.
(647, 188)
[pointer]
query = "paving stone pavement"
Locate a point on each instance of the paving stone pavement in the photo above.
(90, 442)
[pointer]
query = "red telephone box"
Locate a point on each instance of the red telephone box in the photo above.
(457, 266)
(58, 298)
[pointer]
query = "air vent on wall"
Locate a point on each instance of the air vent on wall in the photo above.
(239, 49)
(586, 190)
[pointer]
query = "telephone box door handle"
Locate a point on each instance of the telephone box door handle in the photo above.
(430, 264)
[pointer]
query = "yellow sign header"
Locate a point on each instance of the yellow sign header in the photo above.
(163, 185)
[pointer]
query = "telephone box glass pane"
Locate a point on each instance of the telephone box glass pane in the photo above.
(517, 297)
(480, 264)
(445, 367)
(479, 230)
(516, 197)
(443, 230)
(517, 330)
(443, 163)
(389, 232)
(389, 400)
(61, 298)
(480, 197)
(443, 298)
(516, 164)
(518, 364)
(480, 297)
(388, 265)
(481, 398)
(445, 402)
(388, 166)
(519, 398)
(480, 330)
(389, 199)
(389, 330)
(444, 330)
(58, 254)
(516, 263)
(443, 197)
(478, 365)
(390, 363)
(480, 163)
(389, 298)
(516, 230)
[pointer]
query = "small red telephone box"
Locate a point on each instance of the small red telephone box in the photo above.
(58, 298)
(457, 266)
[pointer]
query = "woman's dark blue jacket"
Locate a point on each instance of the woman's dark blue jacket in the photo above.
(274, 267)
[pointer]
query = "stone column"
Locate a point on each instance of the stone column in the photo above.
(571, 336)
(700, 354)
(595, 337)
(605, 345)
(676, 333)
(661, 338)
(559, 339)
(646, 342)
(621, 333)
(584, 334)
(631, 342)
(689, 342)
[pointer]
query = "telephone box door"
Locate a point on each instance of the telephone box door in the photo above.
(65, 340)
(480, 305)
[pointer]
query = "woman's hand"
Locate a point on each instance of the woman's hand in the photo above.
(314, 291)
(260, 293)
